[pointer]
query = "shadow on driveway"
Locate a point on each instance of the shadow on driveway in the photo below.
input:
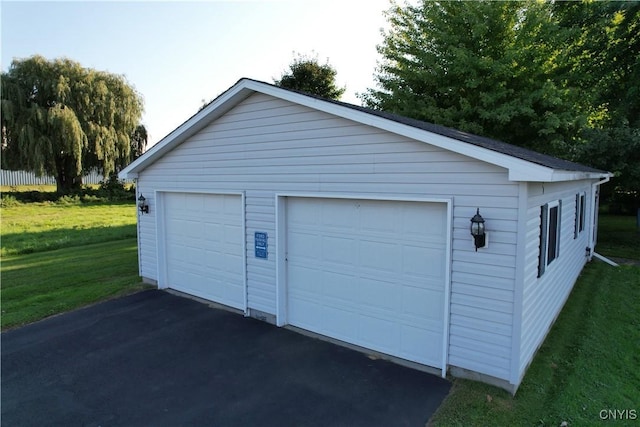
(153, 358)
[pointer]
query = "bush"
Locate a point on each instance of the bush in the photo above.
(115, 190)
(111, 190)
(8, 200)
(32, 196)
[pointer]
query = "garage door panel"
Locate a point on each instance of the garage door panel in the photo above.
(380, 256)
(214, 205)
(339, 250)
(303, 245)
(421, 344)
(435, 229)
(379, 333)
(203, 236)
(378, 280)
(423, 303)
(303, 213)
(343, 288)
(379, 294)
(379, 217)
(307, 314)
(340, 324)
(422, 261)
(307, 281)
(231, 233)
(213, 232)
(337, 218)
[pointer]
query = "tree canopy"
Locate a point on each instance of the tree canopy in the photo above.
(558, 77)
(306, 74)
(62, 119)
(477, 66)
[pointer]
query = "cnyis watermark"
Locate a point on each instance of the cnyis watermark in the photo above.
(618, 414)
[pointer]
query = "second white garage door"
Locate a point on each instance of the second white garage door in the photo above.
(371, 273)
(203, 246)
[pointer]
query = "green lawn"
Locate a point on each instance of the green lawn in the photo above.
(618, 237)
(36, 227)
(38, 285)
(589, 362)
(60, 256)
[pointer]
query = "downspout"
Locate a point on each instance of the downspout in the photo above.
(135, 182)
(592, 215)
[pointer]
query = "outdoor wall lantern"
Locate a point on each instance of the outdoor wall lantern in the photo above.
(477, 230)
(142, 204)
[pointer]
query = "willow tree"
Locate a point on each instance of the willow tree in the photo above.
(61, 119)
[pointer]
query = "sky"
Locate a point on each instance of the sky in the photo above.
(179, 54)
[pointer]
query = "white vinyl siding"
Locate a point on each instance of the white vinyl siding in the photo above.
(544, 296)
(266, 145)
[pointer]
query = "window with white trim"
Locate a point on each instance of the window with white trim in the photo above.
(580, 212)
(550, 220)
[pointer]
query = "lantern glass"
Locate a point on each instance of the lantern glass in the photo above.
(477, 228)
(477, 224)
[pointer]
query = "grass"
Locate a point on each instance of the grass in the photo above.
(38, 285)
(36, 227)
(589, 361)
(60, 256)
(42, 188)
(618, 237)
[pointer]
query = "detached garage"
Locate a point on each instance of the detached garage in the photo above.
(355, 224)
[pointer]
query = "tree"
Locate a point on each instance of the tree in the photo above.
(602, 58)
(61, 119)
(139, 139)
(483, 67)
(308, 75)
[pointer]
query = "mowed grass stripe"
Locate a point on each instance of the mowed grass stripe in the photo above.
(41, 284)
(37, 227)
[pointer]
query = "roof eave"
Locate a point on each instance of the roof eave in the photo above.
(519, 169)
(546, 174)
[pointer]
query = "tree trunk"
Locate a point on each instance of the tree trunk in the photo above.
(66, 178)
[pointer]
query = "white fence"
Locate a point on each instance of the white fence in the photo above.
(12, 178)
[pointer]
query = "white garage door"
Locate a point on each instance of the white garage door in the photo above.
(204, 251)
(371, 273)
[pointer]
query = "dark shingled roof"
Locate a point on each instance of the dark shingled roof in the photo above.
(480, 141)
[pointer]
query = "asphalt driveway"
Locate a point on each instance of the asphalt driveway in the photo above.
(157, 359)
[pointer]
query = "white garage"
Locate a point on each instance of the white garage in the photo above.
(369, 272)
(203, 251)
(355, 224)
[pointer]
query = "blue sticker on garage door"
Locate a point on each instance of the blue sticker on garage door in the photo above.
(260, 242)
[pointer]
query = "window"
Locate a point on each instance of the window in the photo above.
(550, 219)
(580, 205)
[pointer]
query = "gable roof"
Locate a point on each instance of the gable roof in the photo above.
(523, 164)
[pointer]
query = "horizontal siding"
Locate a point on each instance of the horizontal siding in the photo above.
(544, 297)
(265, 146)
(147, 238)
